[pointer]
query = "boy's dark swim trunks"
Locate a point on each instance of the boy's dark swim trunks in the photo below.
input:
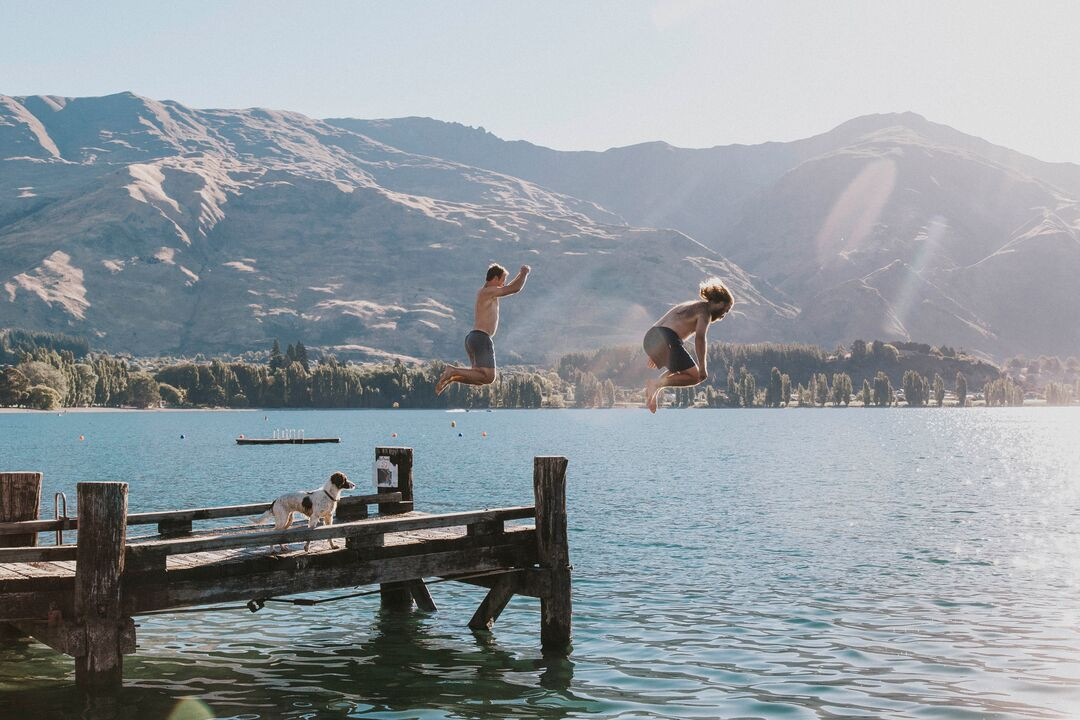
(663, 345)
(480, 348)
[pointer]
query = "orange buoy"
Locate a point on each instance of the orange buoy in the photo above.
(453, 423)
(82, 437)
(393, 434)
(484, 434)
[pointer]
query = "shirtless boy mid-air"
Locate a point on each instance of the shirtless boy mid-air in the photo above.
(664, 340)
(478, 343)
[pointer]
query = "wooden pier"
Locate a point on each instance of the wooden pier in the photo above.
(285, 441)
(80, 599)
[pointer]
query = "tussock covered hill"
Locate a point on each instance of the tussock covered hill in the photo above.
(156, 228)
(887, 226)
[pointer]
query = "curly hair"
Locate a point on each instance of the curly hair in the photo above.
(495, 270)
(714, 292)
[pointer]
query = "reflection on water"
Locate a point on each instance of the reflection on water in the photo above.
(727, 564)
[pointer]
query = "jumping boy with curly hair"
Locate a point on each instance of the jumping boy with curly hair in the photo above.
(664, 341)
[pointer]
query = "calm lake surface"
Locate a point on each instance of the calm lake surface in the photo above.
(751, 564)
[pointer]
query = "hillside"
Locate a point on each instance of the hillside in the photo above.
(888, 225)
(156, 228)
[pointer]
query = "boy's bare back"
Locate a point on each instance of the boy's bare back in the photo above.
(685, 318)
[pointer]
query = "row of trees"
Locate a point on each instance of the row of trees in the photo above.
(47, 379)
(742, 391)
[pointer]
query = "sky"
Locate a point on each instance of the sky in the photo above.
(578, 74)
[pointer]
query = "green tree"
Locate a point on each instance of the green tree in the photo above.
(43, 397)
(939, 390)
(841, 389)
(277, 360)
(821, 389)
(747, 388)
(13, 387)
(774, 393)
(40, 373)
(785, 389)
(961, 389)
(143, 390)
(883, 391)
(733, 393)
(302, 356)
(867, 393)
(916, 389)
(171, 396)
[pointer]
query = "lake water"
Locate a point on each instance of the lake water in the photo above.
(727, 563)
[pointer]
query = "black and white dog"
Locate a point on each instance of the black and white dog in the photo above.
(317, 505)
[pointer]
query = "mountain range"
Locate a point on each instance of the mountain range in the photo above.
(155, 228)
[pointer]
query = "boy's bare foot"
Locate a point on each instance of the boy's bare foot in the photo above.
(652, 388)
(444, 380)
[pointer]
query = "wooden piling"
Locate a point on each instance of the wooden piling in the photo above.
(98, 567)
(398, 596)
(553, 551)
(20, 498)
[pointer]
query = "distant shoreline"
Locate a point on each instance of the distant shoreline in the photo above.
(94, 410)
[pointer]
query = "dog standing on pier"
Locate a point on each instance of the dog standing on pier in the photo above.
(317, 505)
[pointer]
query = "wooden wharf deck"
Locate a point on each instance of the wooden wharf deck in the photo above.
(80, 599)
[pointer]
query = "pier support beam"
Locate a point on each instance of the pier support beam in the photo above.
(99, 563)
(20, 498)
(553, 552)
(397, 597)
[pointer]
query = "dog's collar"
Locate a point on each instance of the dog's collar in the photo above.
(328, 495)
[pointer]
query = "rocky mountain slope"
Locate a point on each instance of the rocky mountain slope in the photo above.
(887, 226)
(157, 228)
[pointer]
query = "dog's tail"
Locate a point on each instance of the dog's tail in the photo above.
(265, 516)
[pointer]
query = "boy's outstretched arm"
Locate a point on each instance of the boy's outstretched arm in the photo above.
(701, 347)
(515, 285)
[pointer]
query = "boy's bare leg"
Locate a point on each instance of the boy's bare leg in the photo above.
(686, 378)
(468, 376)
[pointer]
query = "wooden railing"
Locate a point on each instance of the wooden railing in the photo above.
(138, 553)
(163, 516)
(169, 522)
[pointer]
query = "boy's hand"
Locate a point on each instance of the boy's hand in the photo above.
(703, 375)
(525, 269)
(652, 363)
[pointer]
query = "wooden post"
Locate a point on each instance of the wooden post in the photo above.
(20, 498)
(553, 551)
(99, 563)
(398, 596)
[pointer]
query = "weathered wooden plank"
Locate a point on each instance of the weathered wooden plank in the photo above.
(530, 582)
(299, 574)
(20, 498)
(43, 569)
(46, 553)
(99, 566)
(422, 596)
(493, 603)
(357, 528)
(35, 604)
(70, 638)
(553, 550)
(149, 583)
(208, 513)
